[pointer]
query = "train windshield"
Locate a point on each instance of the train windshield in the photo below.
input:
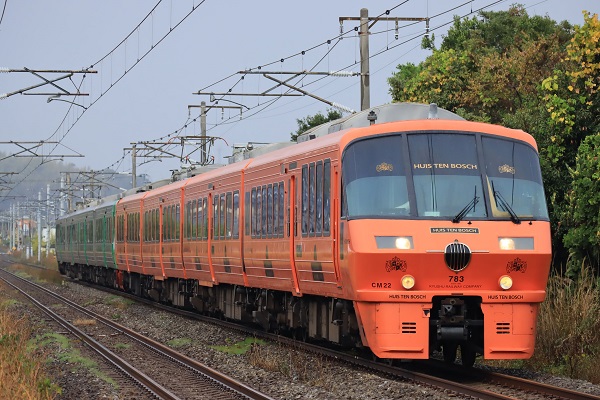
(514, 179)
(441, 176)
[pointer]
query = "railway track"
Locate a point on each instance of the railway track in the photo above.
(150, 366)
(474, 383)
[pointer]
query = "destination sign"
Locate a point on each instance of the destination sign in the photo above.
(454, 230)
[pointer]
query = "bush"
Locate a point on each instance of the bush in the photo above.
(568, 334)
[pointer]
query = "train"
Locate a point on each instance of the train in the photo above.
(404, 230)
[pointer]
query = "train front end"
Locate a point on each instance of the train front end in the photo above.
(445, 239)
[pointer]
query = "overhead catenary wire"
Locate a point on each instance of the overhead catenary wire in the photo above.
(261, 107)
(71, 114)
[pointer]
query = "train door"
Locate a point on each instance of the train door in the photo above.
(292, 228)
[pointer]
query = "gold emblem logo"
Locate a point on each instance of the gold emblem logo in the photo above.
(506, 169)
(384, 167)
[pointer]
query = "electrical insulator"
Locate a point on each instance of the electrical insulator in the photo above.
(342, 108)
(341, 73)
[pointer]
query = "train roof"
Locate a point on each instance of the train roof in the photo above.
(391, 112)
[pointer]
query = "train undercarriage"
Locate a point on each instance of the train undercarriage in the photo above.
(306, 317)
(455, 322)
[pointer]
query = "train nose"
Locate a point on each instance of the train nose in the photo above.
(457, 256)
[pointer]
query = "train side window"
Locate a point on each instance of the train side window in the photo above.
(194, 232)
(201, 211)
(327, 198)
(187, 220)
(319, 193)
(145, 237)
(222, 211)
(275, 210)
(305, 200)
(281, 208)
(229, 216)
(312, 200)
(270, 211)
(150, 224)
(205, 218)
(236, 214)
(253, 211)
(155, 227)
(263, 222)
(177, 221)
(215, 217)
(165, 224)
(258, 211)
(247, 213)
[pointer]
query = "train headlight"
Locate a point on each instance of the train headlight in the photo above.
(404, 243)
(505, 282)
(506, 244)
(394, 242)
(514, 243)
(408, 282)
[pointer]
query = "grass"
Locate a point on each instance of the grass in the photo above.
(22, 374)
(239, 348)
(568, 334)
(297, 366)
(70, 355)
(181, 342)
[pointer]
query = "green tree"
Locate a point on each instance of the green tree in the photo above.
(583, 237)
(572, 101)
(487, 68)
(309, 122)
(491, 69)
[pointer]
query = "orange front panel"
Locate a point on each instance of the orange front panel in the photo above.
(394, 330)
(509, 330)
(375, 274)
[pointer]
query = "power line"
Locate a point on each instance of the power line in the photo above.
(3, 10)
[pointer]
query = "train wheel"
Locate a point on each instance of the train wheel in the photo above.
(301, 334)
(449, 351)
(467, 356)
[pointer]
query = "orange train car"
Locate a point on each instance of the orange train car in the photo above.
(404, 229)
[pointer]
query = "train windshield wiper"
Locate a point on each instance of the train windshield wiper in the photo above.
(467, 208)
(504, 204)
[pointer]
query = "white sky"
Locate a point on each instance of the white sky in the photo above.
(215, 41)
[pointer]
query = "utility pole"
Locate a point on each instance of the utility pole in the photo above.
(133, 166)
(365, 78)
(12, 226)
(39, 227)
(203, 133)
(48, 220)
(62, 196)
(203, 137)
(70, 192)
